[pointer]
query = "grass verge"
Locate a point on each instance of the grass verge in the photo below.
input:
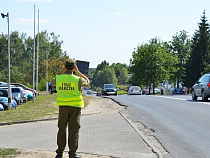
(120, 92)
(9, 153)
(44, 107)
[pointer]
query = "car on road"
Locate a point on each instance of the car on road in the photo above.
(109, 89)
(134, 90)
(177, 91)
(202, 88)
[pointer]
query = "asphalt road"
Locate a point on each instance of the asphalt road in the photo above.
(181, 125)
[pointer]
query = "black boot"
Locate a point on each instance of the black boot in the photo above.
(76, 156)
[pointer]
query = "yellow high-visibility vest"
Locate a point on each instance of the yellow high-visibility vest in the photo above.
(68, 91)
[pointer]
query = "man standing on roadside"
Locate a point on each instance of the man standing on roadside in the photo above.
(69, 99)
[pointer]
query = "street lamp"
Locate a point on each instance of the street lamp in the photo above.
(9, 87)
(45, 48)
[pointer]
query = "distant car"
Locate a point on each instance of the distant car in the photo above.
(1, 83)
(19, 90)
(4, 102)
(18, 93)
(177, 91)
(89, 91)
(109, 89)
(156, 91)
(134, 90)
(202, 88)
(4, 93)
(1, 107)
(98, 94)
(25, 87)
(145, 91)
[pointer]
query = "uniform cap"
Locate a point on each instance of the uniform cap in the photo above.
(70, 63)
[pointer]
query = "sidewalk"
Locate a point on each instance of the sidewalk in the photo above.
(104, 133)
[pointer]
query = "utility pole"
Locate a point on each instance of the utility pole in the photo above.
(34, 57)
(37, 64)
(9, 87)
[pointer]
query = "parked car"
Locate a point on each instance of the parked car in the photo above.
(134, 90)
(4, 102)
(4, 93)
(30, 95)
(1, 83)
(25, 87)
(98, 94)
(177, 91)
(202, 88)
(109, 89)
(1, 107)
(145, 91)
(89, 91)
(18, 93)
(156, 91)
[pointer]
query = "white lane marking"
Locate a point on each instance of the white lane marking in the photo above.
(183, 99)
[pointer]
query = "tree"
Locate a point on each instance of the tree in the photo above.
(54, 66)
(199, 57)
(181, 49)
(152, 63)
(118, 71)
(105, 76)
(102, 65)
(123, 77)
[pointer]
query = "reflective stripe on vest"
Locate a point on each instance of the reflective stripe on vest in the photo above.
(68, 91)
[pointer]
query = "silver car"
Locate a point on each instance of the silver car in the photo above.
(134, 90)
(18, 92)
(202, 88)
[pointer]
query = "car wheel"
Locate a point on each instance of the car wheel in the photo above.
(194, 97)
(204, 98)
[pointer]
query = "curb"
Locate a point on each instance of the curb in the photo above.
(145, 139)
(27, 121)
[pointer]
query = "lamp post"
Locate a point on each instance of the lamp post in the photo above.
(9, 87)
(45, 48)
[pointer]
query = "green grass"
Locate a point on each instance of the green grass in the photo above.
(120, 92)
(44, 107)
(9, 153)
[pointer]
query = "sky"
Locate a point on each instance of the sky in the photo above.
(98, 30)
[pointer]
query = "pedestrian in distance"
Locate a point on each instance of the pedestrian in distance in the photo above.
(70, 101)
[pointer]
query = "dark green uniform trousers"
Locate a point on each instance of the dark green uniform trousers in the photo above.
(70, 116)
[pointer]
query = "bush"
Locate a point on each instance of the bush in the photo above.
(98, 89)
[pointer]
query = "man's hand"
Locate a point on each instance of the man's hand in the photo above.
(76, 69)
(62, 70)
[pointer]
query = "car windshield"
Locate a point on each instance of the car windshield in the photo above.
(178, 89)
(109, 86)
(135, 88)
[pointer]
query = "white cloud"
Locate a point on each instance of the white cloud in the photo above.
(30, 21)
(116, 13)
